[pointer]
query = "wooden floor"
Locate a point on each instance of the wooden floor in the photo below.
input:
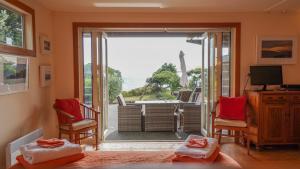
(273, 158)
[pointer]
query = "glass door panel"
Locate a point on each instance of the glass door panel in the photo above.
(103, 62)
(204, 85)
(87, 67)
(212, 77)
(209, 84)
(94, 74)
(226, 59)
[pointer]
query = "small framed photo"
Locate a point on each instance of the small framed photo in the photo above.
(45, 45)
(45, 75)
(277, 50)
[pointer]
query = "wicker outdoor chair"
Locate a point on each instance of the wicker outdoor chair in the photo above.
(160, 117)
(129, 116)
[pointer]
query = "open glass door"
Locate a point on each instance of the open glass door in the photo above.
(204, 84)
(211, 77)
(104, 101)
(93, 77)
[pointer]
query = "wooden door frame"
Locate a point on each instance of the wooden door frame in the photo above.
(236, 25)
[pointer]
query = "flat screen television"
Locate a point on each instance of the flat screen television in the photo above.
(266, 75)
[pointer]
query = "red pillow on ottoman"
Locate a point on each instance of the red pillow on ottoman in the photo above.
(70, 106)
(233, 108)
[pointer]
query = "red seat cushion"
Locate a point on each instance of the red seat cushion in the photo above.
(233, 108)
(71, 106)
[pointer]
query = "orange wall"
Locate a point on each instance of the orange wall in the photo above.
(253, 24)
(24, 112)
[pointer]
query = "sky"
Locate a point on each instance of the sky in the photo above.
(138, 57)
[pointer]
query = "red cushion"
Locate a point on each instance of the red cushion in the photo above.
(71, 106)
(233, 108)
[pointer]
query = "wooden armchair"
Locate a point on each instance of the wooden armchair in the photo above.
(77, 126)
(241, 128)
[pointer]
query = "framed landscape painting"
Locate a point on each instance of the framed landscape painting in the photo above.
(280, 50)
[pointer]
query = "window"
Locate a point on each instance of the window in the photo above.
(17, 29)
(11, 27)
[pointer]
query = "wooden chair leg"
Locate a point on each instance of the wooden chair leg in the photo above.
(71, 137)
(248, 144)
(220, 136)
(245, 138)
(213, 132)
(97, 138)
(77, 138)
(59, 134)
(237, 136)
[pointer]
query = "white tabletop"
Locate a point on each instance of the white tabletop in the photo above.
(158, 102)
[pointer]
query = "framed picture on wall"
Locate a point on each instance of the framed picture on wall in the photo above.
(45, 75)
(13, 74)
(45, 45)
(277, 50)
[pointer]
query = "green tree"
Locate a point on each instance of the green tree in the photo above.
(195, 77)
(167, 67)
(11, 26)
(115, 82)
(164, 78)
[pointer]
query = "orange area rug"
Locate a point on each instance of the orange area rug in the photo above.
(100, 159)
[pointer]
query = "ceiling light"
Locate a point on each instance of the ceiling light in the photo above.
(127, 5)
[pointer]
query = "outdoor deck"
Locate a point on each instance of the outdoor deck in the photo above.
(113, 134)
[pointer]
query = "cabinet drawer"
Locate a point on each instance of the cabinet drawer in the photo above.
(275, 98)
(296, 98)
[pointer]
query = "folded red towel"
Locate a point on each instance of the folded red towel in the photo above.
(187, 159)
(50, 143)
(197, 143)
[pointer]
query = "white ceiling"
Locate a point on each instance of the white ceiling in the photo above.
(177, 5)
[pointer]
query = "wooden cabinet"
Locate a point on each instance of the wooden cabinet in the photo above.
(273, 117)
(276, 117)
(294, 126)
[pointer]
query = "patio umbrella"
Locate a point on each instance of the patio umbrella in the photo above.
(184, 77)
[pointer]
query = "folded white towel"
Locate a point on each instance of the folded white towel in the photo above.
(204, 153)
(33, 153)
